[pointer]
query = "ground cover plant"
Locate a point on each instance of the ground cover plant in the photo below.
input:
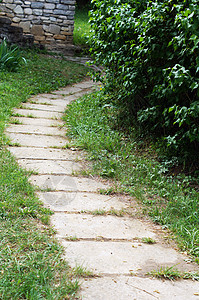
(150, 53)
(10, 57)
(31, 264)
(169, 199)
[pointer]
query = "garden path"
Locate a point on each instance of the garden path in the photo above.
(113, 247)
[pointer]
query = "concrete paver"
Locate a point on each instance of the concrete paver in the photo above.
(50, 167)
(134, 288)
(37, 140)
(108, 245)
(38, 114)
(57, 99)
(39, 122)
(36, 129)
(77, 201)
(121, 257)
(68, 90)
(67, 183)
(45, 107)
(45, 154)
(89, 226)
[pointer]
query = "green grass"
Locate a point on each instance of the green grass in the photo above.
(81, 271)
(31, 263)
(168, 199)
(82, 27)
(172, 273)
(148, 240)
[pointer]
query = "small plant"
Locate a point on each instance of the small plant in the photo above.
(108, 191)
(169, 273)
(191, 275)
(148, 240)
(11, 144)
(30, 116)
(10, 57)
(117, 213)
(15, 121)
(172, 273)
(81, 271)
(111, 212)
(98, 212)
(71, 238)
(17, 115)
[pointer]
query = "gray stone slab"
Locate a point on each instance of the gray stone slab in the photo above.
(33, 140)
(40, 121)
(85, 84)
(67, 183)
(45, 95)
(68, 90)
(38, 113)
(80, 94)
(76, 201)
(50, 166)
(122, 257)
(45, 154)
(61, 103)
(134, 288)
(54, 108)
(36, 129)
(109, 227)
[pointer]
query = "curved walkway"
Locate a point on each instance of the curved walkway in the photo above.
(87, 223)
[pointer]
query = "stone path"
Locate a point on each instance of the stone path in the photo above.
(110, 246)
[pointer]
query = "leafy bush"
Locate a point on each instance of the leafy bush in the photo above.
(10, 57)
(151, 57)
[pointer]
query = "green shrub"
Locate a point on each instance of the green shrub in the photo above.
(10, 57)
(151, 57)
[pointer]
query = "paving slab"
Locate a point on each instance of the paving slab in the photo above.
(45, 154)
(122, 257)
(133, 288)
(81, 94)
(67, 183)
(57, 100)
(108, 227)
(45, 95)
(40, 121)
(68, 90)
(77, 201)
(38, 114)
(36, 140)
(50, 166)
(85, 84)
(43, 107)
(36, 129)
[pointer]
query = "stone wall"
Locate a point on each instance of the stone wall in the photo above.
(14, 34)
(50, 21)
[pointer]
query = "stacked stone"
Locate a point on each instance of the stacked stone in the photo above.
(14, 34)
(50, 21)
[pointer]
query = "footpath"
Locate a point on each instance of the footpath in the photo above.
(114, 248)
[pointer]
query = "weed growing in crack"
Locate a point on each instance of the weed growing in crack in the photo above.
(81, 271)
(15, 121)
(172, 273)
(148, 240)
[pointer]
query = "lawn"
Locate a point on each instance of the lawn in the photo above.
(169, 199)
(82, 26)
(31, 259)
